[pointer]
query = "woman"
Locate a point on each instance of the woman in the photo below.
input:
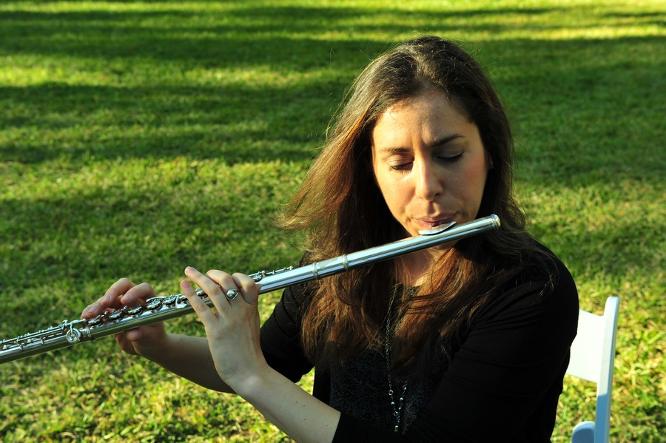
(468, 342)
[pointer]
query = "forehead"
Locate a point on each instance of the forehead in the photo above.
(429, 115)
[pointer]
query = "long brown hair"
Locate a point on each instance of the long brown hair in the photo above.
(343, 210)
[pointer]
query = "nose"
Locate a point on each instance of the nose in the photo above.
(428, 184)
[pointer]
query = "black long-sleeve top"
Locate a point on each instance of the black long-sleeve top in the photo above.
(500, 382)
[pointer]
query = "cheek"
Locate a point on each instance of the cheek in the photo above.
(475, 177)
(471, 181)
(394, 193)
(477, 174)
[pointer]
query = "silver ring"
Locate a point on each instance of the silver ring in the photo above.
(231, 294)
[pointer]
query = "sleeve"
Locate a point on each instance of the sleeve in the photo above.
(505, 379)
(280, 335)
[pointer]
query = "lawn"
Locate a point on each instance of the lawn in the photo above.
(140, 137)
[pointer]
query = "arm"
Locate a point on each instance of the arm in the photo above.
(297, 413)
(188, 357)
(233, 334)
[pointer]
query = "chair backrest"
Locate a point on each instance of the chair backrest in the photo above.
(592, 357)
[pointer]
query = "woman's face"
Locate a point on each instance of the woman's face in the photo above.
(429, 162)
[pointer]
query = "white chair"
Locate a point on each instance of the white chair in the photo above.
(592, 356)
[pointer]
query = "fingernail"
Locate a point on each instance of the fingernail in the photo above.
(188, 269)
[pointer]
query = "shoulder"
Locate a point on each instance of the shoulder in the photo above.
(543, 288)
(546, 268)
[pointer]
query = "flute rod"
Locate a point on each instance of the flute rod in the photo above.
(161, 308)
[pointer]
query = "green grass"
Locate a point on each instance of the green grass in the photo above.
(138, 138)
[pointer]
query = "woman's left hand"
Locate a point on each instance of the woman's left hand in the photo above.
(232, 325)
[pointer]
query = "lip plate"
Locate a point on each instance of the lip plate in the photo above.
(437, 229)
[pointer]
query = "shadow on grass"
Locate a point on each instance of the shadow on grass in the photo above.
(240, 124)
(572, 100)
(100, 233)
(241, 37)
(558, 90)
(103, 122)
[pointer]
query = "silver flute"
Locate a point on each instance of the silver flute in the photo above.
(161, 308)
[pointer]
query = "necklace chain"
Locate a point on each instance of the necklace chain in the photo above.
(396, 405)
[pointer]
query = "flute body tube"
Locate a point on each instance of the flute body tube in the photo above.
(161, 308)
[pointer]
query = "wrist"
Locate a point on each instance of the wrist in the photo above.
(158, 350)
(254, 383)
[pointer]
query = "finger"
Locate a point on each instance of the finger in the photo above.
(134, 334)
(223, 279)
(249, 288)
(110, 299)
(202, 310)
(211, 288)
(125, 344)
(226, 282)
(112, 296)
(137, 295)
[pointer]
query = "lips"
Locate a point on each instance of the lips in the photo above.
(433, 222)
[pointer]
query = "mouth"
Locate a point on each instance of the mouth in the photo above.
(433, 222)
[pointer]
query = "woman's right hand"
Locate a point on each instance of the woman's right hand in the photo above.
(144, 340)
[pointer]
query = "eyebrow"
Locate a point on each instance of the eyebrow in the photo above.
(438, 142)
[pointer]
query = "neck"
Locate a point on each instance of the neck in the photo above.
(414, 268)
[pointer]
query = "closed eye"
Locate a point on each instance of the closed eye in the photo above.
(449, 158)
(401, 166)
(406, 166)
